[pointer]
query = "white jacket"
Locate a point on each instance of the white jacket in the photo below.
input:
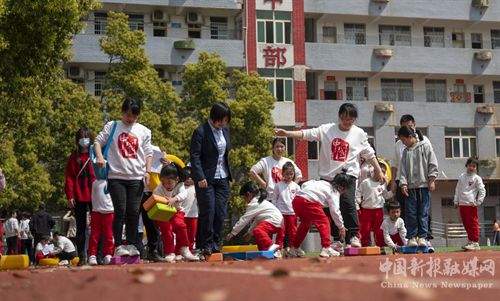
(191, 204)
(24, 229)
(323, 193)
(64, 244)
(470, 190)
(390, 227)
(283, 196)
(11, 227)
(372, 195)
(101, 202)
(179, 192)
(271, 170)
(339, 149)
(263, 212)
(127, 154)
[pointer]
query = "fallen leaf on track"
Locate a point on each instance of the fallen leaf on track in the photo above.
(215, 295)
(146, 278)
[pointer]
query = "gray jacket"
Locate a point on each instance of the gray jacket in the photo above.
(418, 164)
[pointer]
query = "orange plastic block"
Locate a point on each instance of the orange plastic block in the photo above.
(153, 199)
(215, 257)
(369, 251)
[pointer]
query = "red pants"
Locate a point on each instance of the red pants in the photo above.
(470, 221)
(101, 224)
(371, 219)
(359, 219)
(397, 240)
(192, 225)
(310, 212)
(289, 227)
(263, 232)
(175, 225)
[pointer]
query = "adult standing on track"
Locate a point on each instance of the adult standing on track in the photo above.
(211, 173)
(342, 145)
(129, 158)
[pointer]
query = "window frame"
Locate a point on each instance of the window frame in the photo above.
(398, 89)
(358, 33)
(431, 89)
(450, 140)
(349, 88)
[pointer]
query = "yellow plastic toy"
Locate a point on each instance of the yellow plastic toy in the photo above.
(75, 261)
(14, 262)
(154, 179)
(48, 261)
(244, 248)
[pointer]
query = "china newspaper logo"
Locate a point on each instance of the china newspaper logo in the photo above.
(434, 272)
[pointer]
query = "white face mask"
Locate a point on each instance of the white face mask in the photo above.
(84, 142)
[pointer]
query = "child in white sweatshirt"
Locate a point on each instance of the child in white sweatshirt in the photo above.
(469, 194)
(267, 220)
(371, 196)
(393, 227)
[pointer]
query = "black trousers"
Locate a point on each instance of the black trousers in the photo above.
(152, 231)
(12, 245)
(27, 248)
(81, 209)
(66, 255)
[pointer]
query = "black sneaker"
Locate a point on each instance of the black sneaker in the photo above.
(155, 257)
(206, 251)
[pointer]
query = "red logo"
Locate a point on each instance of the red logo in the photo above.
(128, 144)
(379, 190)
(340, 150)
(276, 174)
(470, 183)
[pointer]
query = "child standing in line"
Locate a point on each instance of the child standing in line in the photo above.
(418, 172)
(393, 227)
(191, 217)
(26, 237)
(371, 196)
(11, 233)
(268, 220)
(284, 193)
(308, 205)
(469, 194)
(172, 188)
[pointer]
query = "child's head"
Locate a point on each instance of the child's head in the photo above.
(382, 167)
(341, 181)
(394, 210)
(25, 215)
(288, 172)
(187, 173)
(170, 176)
(472, 165)
(408, 136)
(56, 236)
(13, 213)
(250, 190)
(279, 146)
(45, 239)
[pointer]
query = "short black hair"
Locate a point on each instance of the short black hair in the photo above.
(41, 206)
(349, 110)
(393, 205)
(219, 111)
(342, 180)
(56, 234)
(131, 105)
(405, 118)
(252, 188)
(472, 160)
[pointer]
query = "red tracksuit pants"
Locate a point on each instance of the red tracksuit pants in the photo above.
(101, 224)
(175, 225)
(263, 233)
(470, 221)
(371, 219)
(310, 212)
(289, 227)
(192, 225)
(397, 240)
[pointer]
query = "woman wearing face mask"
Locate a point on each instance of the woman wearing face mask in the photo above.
(78, 186)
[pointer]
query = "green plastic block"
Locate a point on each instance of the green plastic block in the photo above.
(161, 212)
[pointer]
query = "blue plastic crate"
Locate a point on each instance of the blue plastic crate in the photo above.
(413, 250)
(234, 256)
(260, 254)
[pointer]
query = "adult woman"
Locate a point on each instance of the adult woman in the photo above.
(342, 145)
(210, 171)
(270, 168)
(129, 158)
(78, 186)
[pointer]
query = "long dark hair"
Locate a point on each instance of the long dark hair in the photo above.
(406, 131)
(83, 132)
(253, 189)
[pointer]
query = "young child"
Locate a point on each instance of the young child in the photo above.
(11, 233)
(418, 172)
(308, 205)
(101, 224)
(40, 249)
(25, 236)
(469, 194)
(496, 232)
(393, 227)
(284, 193)
(191, 217)
(64, 250)
(371, 196)
(172, 188)
(267, 220)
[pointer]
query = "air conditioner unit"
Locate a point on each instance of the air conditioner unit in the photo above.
(163, 74)
(75, 72)
(159, 16)
(194, 18)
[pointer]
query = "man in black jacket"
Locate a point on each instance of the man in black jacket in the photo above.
(41, 224)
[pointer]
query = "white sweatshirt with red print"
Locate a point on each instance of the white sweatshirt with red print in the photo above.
(179, 192)
(283, 196)
(470, 190)
(271, 170)
(127, 154)
(372, 195)
(339, 149)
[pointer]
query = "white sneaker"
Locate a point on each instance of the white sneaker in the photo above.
(354, 242)
(186, 253)
(170, 257)
(464, 247)
(107, 259)
(273, 247)
(132, 250)
(328, 252)
(277, 254)
(422, 242)
(338, 246)
(64, 262)
(92, 260)
(473, 246)
(412, 242)
(285, 252)
(179, 258)
(429, 245)
(121, 250)
(297, 252)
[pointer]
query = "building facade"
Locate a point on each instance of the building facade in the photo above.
(436, 60)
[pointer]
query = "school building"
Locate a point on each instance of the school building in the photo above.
(436, 60)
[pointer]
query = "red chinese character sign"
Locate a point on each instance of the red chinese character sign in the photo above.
(278, 5)
(273, 3)
(275, 56)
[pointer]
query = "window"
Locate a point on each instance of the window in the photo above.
(330, 90)
(496, 92)
(355, 34)
(478, 93)
(497, 138)
(313, 150)
(460, 142)
(218, 28)
(476, 40)
(280, 83)
(194, 31)
(434, 37)
(329, 34)
(458, 40)
(435, 90)
(490, 213)
(356, 88)
(459, 93)
(395, 35)
(495, 39)
(397, 89)
(99, 82)
(310, 32)
(136, 22)
(492, 189)
(371, 135)
(100, 22)
(276, 28)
